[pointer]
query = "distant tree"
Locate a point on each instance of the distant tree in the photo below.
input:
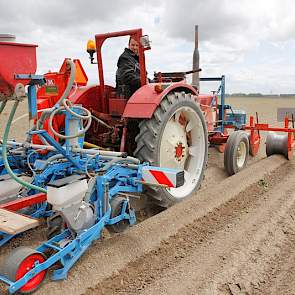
(287, 94)
(255, 94)
(239, 94)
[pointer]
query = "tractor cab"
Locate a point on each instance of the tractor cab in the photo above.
(111, 102)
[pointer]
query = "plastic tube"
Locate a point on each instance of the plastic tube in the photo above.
(4, 154)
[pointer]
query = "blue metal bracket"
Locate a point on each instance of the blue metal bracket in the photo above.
(32, 91)
(57, 146)
(221, 107)
(32, 101)
(36, 79)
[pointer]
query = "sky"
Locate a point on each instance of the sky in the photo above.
(251, 42)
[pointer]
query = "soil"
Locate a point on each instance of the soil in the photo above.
(245, 246)
(232, 237)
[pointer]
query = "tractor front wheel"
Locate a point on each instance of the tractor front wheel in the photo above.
(175, 137)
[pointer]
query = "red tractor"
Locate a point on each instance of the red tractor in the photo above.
(161, 123)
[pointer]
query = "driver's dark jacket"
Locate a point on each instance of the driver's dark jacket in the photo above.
(128, 74)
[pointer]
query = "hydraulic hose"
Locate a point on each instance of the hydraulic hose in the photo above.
(65, 94)
(71, 82)
(64, 103)
(4, 153)
(46, 112)
(53, 158)
(87, 117)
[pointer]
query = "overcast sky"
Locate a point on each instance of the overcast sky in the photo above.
(251, 42)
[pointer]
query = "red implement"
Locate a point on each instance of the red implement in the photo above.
(15, 58)
(24, 202)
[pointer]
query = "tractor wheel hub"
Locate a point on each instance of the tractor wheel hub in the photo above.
(179, 151)
(175, 144)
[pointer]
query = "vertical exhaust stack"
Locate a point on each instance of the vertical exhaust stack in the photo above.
(196, 60)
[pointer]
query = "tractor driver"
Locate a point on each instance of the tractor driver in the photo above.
(128, 72)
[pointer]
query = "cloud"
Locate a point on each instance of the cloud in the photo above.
(232, 34)
(225, 20)
(217, 20)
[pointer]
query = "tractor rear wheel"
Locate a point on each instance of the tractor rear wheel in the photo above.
(175, 137)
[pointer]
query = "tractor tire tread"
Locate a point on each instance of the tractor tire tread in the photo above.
(229, 154)
(146, 142)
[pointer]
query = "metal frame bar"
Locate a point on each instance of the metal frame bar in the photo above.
(221, 90)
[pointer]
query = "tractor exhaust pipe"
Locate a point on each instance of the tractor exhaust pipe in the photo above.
(196, 60)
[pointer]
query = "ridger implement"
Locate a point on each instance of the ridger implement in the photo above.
(245, 138)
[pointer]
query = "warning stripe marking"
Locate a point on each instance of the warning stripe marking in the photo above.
(161, 178)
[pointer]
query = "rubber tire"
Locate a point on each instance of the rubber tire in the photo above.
(116, 205)
(149, 137)
(230, 152)
(13, 261)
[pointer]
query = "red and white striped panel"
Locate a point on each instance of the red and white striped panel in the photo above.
(165, 176)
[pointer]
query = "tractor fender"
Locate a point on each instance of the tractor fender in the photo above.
(146, 99)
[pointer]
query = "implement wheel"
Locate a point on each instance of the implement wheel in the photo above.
(175, 137)
(116, 205)
(19, 262)
(236, 152)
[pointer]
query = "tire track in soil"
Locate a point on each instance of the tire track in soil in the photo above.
(214, 254)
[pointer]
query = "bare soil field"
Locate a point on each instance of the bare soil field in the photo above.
(244, 246)
(235, 236)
